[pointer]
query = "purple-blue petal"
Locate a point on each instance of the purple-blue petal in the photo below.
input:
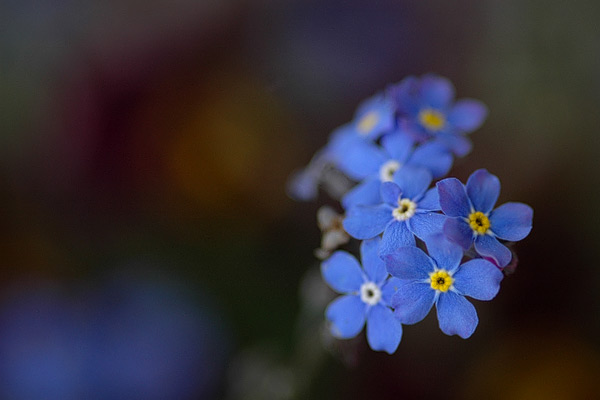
(342, 272)
(413, 181)
(479, 279)
(467, 114)
(489, 247)
(347, 315)
(426, 224)
(458, 231)
(458, 144)
(384, 109)
(396, 235)
(365, 222)
(389, 288)
(447, 255)
(430, 201)
(390, 193)
(373, 265)
(408, 263)
(511, 221)
(436, 92)
(361, 159)
(412, 301)
(365, 193)
(398, 146)
(453, 198)
(384, 331)
(483, 190)
(456, 315)
(434, 157)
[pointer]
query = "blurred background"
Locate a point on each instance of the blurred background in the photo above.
(149, 250)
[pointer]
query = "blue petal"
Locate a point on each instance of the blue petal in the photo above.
(342, 272)
(424, 225)
(408, 263)
(384, 109)
(389, 288)
(365, 222)
(483, 189)
(456, 315)
(488, 246)
(453, 198)
(511, 221)
(365, 193)
(390, 193)
(459, 232)
(361, 159)
(446, 254)
(412, 301)
(434, 157)
(413, 181)
(479, 279)
(396, 235)
(431, 201)
(458, 144)
(467, 114)
(339, 141)
(384, 331)
(436, 92)
(398, 146)
(303, 185)
(347, 316)
(403, 95)
(373, 265)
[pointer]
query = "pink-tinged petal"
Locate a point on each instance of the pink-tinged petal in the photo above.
(483, 190)
(511, 221)
(489, 246)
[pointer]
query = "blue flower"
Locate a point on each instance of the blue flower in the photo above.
(406, 212)
(440, 280)
(474, 222)
(428, 110)
(373, 165)
(367, 295)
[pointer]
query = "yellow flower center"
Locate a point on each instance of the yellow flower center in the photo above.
(479, 222)
(367, 122)
(406, 209)
(441, 280)
(432, 120)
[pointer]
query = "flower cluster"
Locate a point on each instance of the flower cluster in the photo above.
(422, 244)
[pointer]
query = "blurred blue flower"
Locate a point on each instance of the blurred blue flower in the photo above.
(472, 220)
(367, 295)
(372, 164)
(428, 111)
(406, 211)
(440, 280)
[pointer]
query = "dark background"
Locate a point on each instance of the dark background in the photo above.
(149, 249)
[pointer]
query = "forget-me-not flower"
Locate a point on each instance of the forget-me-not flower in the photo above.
(428, 110)
(474, 221)
(372, 164)
(367, 295)
(441, 280)
(407, 211)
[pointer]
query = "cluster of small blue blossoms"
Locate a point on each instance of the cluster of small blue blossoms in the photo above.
(422, 244)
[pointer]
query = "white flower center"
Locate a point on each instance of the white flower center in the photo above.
(386, 172)
(370, 293)
(406, 209)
